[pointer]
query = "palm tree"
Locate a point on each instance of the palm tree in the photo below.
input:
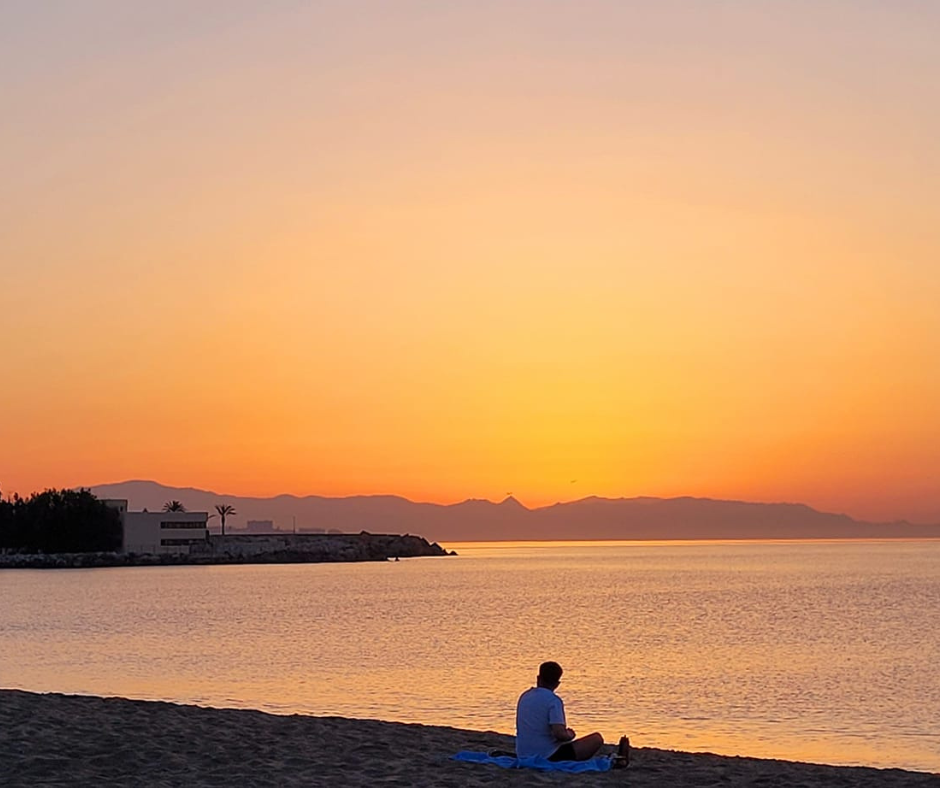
(173, 506)
(224, 511)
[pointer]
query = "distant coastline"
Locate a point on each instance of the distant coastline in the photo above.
(593, 518)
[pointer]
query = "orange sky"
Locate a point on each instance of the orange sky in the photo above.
(456, 250)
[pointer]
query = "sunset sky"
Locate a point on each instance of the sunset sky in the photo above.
(459, 249)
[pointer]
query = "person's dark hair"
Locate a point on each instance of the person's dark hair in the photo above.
(550, 674)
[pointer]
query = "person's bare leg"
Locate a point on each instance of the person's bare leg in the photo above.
(586, 747)
(621, 757)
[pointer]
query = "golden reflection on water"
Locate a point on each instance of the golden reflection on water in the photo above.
(570, 543)
(804, 651)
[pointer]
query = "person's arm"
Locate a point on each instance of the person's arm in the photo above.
(557, 722)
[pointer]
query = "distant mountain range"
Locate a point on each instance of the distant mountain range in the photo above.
(479, 520)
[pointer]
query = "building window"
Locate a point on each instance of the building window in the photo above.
(179, 542)
(178, 525)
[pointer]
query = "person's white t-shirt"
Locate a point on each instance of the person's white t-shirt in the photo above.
(538, 709)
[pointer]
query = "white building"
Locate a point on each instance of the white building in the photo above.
(160, 532)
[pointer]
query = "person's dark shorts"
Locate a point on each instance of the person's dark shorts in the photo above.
(563, 753)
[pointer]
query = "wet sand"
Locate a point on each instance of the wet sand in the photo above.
(68, 740)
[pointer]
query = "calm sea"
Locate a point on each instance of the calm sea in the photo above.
(813, 651)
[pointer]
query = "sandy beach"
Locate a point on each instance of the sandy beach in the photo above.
(66, 740)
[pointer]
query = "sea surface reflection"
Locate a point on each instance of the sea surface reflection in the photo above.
(822, 651)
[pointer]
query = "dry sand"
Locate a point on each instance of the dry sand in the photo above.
(59, 740)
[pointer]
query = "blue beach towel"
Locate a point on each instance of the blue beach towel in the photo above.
(599, 764)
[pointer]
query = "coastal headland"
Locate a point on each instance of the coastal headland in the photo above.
(69, 740)
(244, 549)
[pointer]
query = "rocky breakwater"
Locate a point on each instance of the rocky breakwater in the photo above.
(247, 549)
(81, 560)
(316, 548)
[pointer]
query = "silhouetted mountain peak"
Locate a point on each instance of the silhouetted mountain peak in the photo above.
(478, 503)
(592, 517)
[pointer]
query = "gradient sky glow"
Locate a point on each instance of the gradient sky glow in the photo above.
(457, 249)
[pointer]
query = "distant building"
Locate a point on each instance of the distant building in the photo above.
(160, 532)
(254, 527)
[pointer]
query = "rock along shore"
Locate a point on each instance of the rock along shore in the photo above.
(248, 549)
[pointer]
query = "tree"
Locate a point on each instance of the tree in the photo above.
(6, 521)
(173, 506)
(224, 511)
(60, 521)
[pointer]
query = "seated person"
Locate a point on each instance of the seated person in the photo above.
(541, 728)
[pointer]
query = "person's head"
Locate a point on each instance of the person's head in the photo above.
(549, 675)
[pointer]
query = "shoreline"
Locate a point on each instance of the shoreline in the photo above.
(67, 740)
